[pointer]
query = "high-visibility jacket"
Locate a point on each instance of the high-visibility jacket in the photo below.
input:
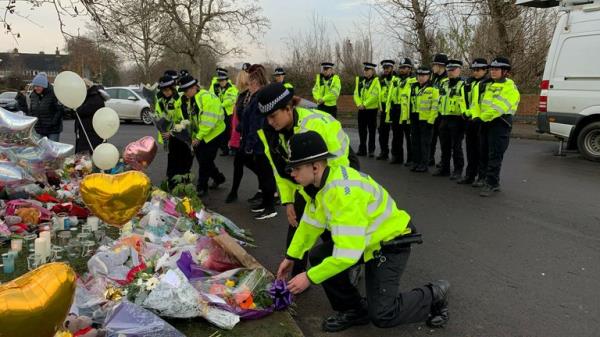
(214, 85)
(475, 88)
(500, 98)
(168, 108)
(452, 101)
(206, 115)
(425, 102)
(277, 152)
(227, 96)
(288, 85)
(359, 213)
(400, 95)
(327, 90)
(366, 93)
(386, 83)
(439, 80)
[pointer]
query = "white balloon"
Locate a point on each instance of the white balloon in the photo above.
(106, 122)
(105, 156)
(70, 89)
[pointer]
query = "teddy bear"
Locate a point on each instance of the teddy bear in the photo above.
(81, 326)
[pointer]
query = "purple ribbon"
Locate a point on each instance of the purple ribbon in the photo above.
(282, 297)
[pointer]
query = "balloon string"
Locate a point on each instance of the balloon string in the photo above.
(84, 132)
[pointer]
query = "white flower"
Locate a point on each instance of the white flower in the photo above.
(152, 283)
(190, 238)
(203, 256)
(139, 282)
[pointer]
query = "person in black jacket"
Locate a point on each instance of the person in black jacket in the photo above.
(22, 100)
(47, 109)
(86, 138)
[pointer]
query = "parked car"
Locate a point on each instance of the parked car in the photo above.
(569, 104)
(8, 101)
(130, 104)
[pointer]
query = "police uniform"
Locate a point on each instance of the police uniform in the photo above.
(180, 156)
(281, 72)
(367, 94)
(452, 108)
(398, 114)
(473, 89)
(499, 103)
(385, 121)
(366, 227)
(438, 81)
(208, 127)
(424, 112)
(228, 96)
(273, 97)
(328, 90)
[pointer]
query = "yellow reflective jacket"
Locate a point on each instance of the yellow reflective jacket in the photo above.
(452, 101)
(359, 213)
(327, 90)
(386, 83)
(400, 95)
(168, 108)
(277, 152)
(499, 98)
(206, 115)
(425, 102)
(366, 93)
(227, 96)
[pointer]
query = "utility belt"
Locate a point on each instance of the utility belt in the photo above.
(402, 242)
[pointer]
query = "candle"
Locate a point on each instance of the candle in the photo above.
(41, 247)
(93, 221)
(16, 244)
(47, 235)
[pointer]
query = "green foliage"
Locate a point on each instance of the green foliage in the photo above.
(185, 188)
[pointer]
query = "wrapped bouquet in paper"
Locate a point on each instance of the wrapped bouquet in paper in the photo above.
(174, 296)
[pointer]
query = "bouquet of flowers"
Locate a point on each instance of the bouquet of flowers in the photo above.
(182, 132)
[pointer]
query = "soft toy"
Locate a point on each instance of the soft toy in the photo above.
(81, 326)
(120, 265)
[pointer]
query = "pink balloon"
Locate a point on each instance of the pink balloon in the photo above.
(140, 154)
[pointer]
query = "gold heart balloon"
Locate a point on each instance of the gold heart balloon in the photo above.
(37, 303)
(115, 198)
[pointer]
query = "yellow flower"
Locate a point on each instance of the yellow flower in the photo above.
(63, 334)
(230, 283)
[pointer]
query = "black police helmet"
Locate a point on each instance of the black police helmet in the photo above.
(273, 97)
(307, 147)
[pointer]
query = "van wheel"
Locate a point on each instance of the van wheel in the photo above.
(588, 141)
(146, 116)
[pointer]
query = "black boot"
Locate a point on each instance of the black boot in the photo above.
(382, 156)
(231, 197)
(439, 315)
(346, 319)
(441, 173)
(456, 175)
(466, 181)
(217, 181)
(396, 160)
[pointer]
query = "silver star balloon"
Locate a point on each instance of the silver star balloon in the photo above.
(13, 175)
(15, 129)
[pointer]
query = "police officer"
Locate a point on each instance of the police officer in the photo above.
(227, 93)
(474, 87)
(207, 129)
(284, 120)
(423, 113)
(183, 72)
(398, 110)
(173, 74)
(327, 88)
(386, 80)
(499, 102)
(452, 108)
(168, 107)
(367, 99)
(366, 228)
(440, 76)
(279, 76)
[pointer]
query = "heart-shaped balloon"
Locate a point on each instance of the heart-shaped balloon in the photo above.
(115, 198)
(37, 303)
(140, 154)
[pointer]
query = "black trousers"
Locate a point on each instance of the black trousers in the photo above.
(179, 159)
(384, 131)
(403, 132)
(266, 179)
(452, 132)
(226, 135)
(206, 154)
(421, 134)
(472, 142)
(240, 160)
(495, 137)
(332, 110)
(434, 139)
(367, 126)
(388, 306)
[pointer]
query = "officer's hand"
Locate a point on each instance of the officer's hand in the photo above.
(285, 268)
(298, 284)
(320, 101)
(195, 142)
(361, 107)
(291, 215)
(166, 135)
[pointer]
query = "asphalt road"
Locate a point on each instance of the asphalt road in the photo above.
(523, 263)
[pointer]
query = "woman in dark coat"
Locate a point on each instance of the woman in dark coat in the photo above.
(93, 101)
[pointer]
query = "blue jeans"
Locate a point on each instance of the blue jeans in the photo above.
(54, 136)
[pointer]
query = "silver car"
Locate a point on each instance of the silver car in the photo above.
(8, 101)
(130, 104)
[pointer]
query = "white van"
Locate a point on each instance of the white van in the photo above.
(569, 105)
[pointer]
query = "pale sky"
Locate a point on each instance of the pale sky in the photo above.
(40, 30)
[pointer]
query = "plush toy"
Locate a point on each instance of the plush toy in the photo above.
(81, 326)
